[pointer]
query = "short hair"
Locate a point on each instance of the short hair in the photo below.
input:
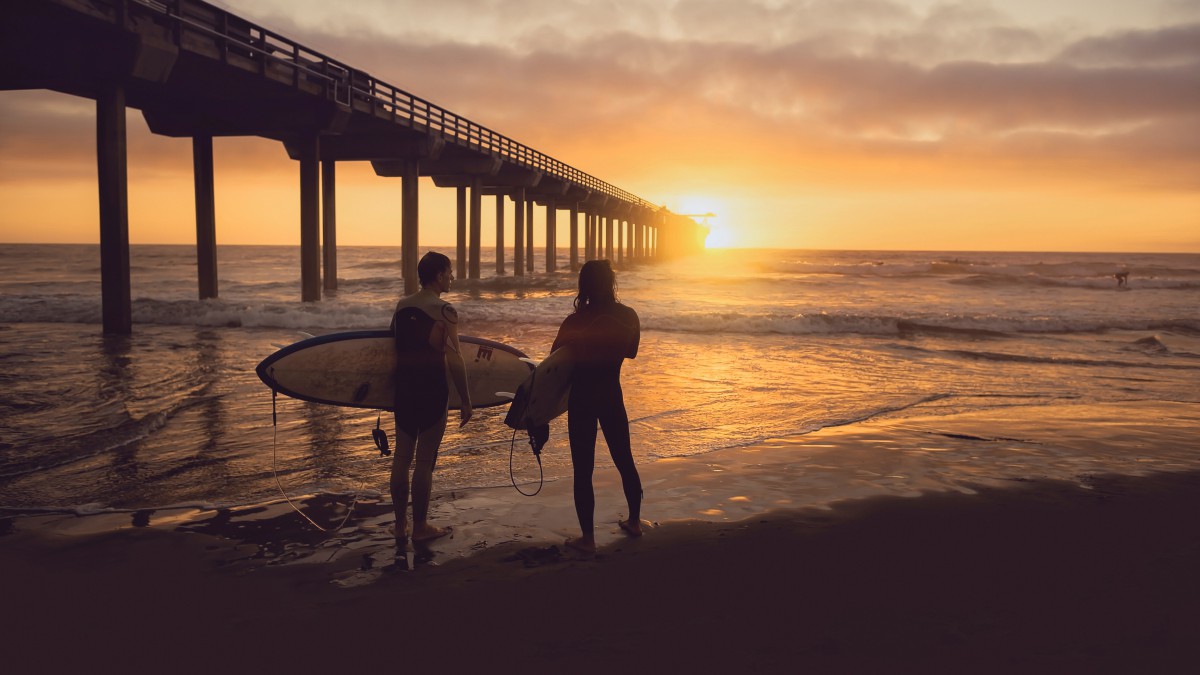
(432, 264)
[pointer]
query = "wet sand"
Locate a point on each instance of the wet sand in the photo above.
(866, 548)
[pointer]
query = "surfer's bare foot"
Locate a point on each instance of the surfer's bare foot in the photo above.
(582, 544)
(429, 532)
(631, 527)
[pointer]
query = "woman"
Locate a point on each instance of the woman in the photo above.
(601, 333)
(425, 330)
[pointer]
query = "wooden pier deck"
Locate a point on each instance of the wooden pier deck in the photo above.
(196, 70)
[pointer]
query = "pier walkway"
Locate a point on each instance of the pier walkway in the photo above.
(196, 70)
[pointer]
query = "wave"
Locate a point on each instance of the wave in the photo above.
(1003, 357)
(542, 303)
(982, 272)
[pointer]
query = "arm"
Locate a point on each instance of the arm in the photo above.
(455, 364)
(636, 337)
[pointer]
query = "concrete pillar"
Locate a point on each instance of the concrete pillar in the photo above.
(206, 216)
(587, 235)
(575, 237)
(310, 219)
(460, 270)
(329, 222)
(622, 242)
(409, 225)
(500, 234)
(476, 225)
(113, 183)
(608, 239)
(551, 236)
(529, 235)
(519, 232)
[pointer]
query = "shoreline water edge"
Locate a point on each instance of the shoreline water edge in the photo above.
(910, 448)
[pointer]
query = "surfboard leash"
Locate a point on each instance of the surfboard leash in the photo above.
(279, 484)
(537, 452)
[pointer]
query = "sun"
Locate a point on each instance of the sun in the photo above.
(719, 237)
(707, 211)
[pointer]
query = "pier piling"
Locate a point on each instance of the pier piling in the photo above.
(112, 180)
(310, 219)
(329, 223)
(206, 219)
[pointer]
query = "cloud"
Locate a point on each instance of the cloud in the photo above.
(629, 84)
(1165, 46)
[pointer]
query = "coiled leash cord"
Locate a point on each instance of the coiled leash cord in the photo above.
(537, 452)
(279, 484)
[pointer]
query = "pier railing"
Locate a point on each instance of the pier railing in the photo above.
(200, 27)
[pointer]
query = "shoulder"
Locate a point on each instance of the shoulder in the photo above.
(448, 313)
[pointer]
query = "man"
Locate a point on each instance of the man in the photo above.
(425, 331)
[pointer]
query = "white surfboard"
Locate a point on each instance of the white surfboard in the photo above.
(544, 393)
(357, 370)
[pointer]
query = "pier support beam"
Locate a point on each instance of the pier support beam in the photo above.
(113, 184)
(460, 257)
(500, 234)
(519, 232)
(329, 222)
(476, 225)
(529, 235)
(409, 246)
(622, 240)
(310, 219)
(575, 237)
(587, 236)
(206, 218)
(608, 239)
(551, 236)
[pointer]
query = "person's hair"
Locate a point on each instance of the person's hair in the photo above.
(432, 264)
(597, 284)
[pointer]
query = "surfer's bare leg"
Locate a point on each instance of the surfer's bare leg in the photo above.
(581, 425)
(428, 442)
(402, 461)
(615, 423)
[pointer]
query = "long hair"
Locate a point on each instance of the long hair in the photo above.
(597, 284)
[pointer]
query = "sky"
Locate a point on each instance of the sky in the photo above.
(1071, 125)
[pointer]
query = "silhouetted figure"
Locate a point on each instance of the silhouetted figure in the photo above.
(1122, 278)
(601, 333)
(425, 330)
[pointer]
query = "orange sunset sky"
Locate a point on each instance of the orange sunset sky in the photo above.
(857, 124)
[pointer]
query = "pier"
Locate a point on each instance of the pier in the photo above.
(196, 70)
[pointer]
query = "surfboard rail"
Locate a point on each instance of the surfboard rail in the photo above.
(356, 369)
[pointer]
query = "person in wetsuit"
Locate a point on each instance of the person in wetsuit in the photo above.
(601, 333)
(425, 331)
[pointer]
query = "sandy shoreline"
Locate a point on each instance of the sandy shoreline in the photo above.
(846, 550)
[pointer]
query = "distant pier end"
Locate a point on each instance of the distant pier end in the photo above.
(196, 70)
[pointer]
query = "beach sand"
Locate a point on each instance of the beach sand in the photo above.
(853, 549)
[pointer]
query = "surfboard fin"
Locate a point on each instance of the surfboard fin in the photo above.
(506, 394)
(381, 440)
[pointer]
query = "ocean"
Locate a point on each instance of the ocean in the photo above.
(738, 347)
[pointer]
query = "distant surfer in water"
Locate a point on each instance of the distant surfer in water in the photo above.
(1122, 278)
(425, 330)
(601, 333)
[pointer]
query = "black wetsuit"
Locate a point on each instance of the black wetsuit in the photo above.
(601, 337)
(421, 390)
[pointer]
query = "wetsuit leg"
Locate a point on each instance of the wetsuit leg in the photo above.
(581, 429)
(428, 442)
(615, 422)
